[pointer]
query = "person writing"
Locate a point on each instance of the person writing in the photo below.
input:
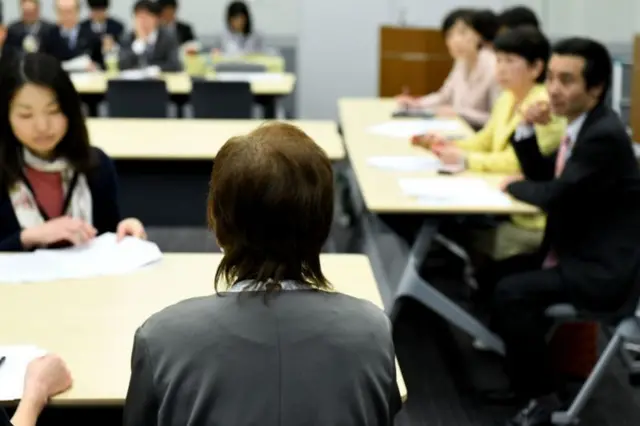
(278, 338)
(46, 376)
(471, 87)
(54, 187)
(522, 57)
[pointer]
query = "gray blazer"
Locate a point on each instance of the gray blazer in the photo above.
(298, 357)
(165, 53)
(238, 44)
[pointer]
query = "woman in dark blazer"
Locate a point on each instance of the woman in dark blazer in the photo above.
(277, 346)
(55, 189)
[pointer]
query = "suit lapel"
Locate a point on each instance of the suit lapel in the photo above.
(593, 116)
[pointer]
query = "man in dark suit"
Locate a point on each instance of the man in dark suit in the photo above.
(590, 191)
(149, 45)
(182, 30)
(100, 23)
(74, 40)
(31, 33)
(7, 52)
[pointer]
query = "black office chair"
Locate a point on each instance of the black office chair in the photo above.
(621, 327)
(137, 98)
(217, 99)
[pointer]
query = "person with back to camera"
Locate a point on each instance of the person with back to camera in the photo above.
(277, 346)
(471, 87)
(240, 38)
(55, 189)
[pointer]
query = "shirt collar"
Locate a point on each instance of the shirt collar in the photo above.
(247, 284)
(153, 37)
(573, 129)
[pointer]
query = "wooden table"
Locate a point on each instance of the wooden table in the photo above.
(183, 139)
(91, 322)
(379, 193)
(180, 83)
(380, 188)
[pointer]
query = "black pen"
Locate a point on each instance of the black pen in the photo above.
(2, 360)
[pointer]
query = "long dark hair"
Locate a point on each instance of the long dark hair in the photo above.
(45, 71)
(239, 8)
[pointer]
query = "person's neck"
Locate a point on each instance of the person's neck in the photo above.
(574, 116)
(471, 60)
(99, 20)
(520, 93)
(69, 27)
(46, 156)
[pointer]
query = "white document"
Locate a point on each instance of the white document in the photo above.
(102, 256)
(79, 63)
(458, 191)
(405, 164)
(408, 128)
(248, 76)
(14, 369)
(140, 74)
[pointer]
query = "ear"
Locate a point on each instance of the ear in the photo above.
(596, 91)
(538, 68)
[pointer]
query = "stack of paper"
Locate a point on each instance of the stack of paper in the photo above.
(408, 128)
(405, 164)
(453, 191)
(14, 368)
(102, 256)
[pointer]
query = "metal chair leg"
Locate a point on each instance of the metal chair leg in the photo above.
(571, 415)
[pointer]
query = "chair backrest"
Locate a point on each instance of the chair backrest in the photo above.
(216, 99)
(239, 67)
(631, 305)
(137, 98)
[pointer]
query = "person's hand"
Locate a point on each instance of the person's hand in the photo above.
(450, 154)
(75, 231)
(131, 227)
(108, 43)
(508, 181)
(140, 30)
(429, 140)
(407, 101)
(446, 111)
(46, 376)
(215, 51)
(92, 67)
(537, 113)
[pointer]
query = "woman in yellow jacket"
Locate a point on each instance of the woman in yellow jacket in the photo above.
(522, 55)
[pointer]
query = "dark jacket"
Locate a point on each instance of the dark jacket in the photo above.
(87, 43)
(593, 209)
(184, 32)
(302, 358)
(113, 27)
(102, 182)
(165, 53)
(46, 36)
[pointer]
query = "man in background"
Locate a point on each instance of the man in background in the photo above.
(168, 18)
(74, 41)
(149, 45)
(106, 28)
(31, 33)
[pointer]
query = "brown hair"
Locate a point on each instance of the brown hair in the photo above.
(271, 207)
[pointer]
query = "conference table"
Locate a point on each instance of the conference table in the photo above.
(164, 165)
(91, 322)
(267, 88)
(376, 191)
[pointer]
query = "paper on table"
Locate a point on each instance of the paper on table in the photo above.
(247, 76)
(79, 63)
(14, 368)
(405, 164)
(453, 191)
(409, 128)
(102, 256)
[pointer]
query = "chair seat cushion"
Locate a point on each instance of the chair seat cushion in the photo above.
(561, 311)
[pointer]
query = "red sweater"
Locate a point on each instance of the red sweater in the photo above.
(48, 192)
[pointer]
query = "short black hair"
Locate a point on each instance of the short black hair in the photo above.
(527, 42)
(98, 4)
(485, 23)
(598, 67)
(239, 8)
(146, 6)
(45, 71)
(453, 17)
(162, 4)
(517, 16)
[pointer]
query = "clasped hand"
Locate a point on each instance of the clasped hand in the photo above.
(446, 151)
(537, 113)
(75, 231)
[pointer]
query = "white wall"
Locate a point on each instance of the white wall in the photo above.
(273, 17)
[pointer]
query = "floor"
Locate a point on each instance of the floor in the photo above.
(440, 367)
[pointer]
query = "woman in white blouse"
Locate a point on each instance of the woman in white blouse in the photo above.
(471, 87)
(239, 37)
